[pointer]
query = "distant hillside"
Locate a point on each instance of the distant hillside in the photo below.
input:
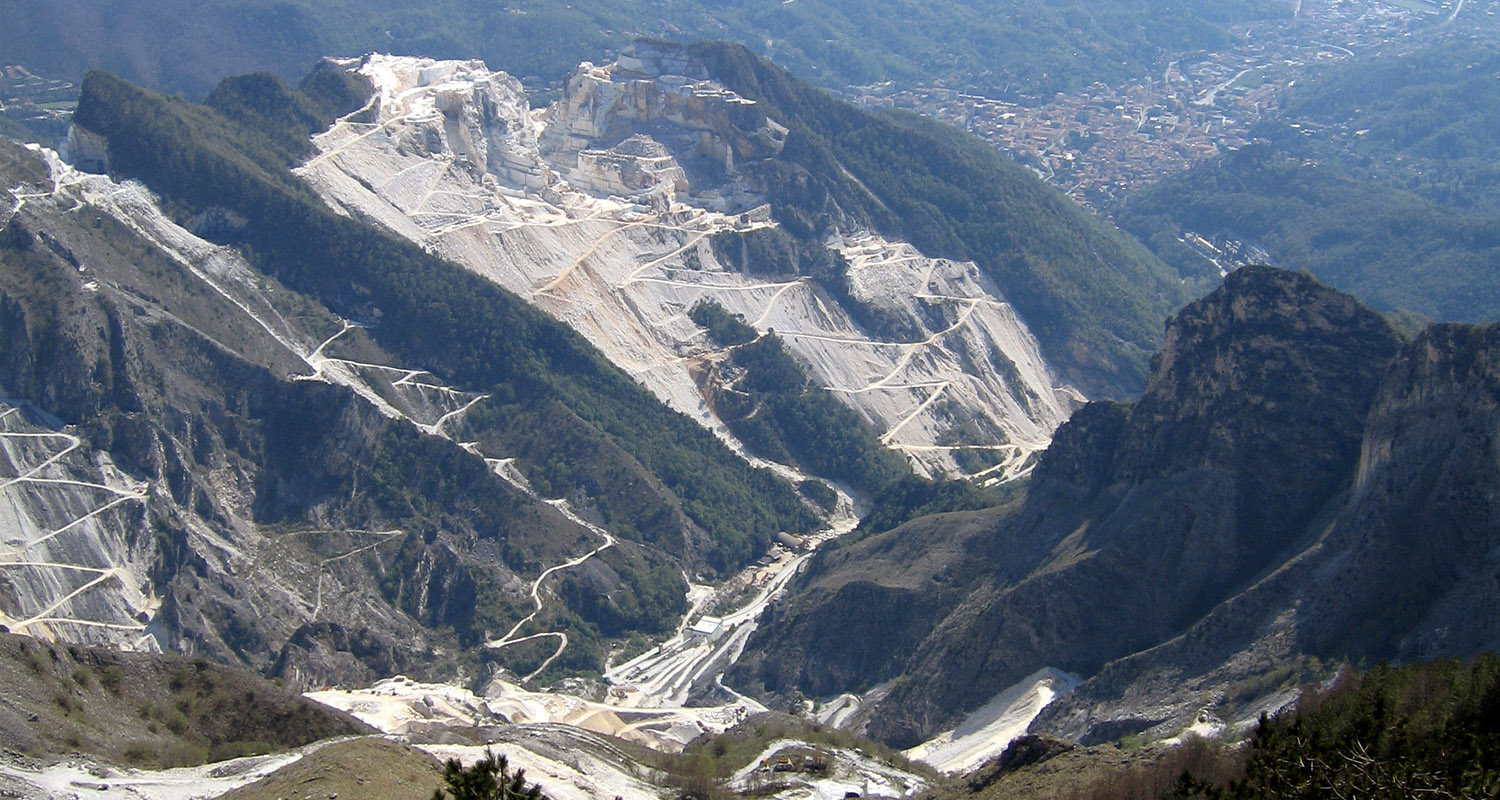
(1427, 122)
(1379, 176)
(1393, 249)
(1009, 47)
(1295, 483)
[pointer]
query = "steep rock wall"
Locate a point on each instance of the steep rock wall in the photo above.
(1296, 487)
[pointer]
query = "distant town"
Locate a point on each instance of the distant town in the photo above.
(1095, 144)
(35, 101)
(1103, 141)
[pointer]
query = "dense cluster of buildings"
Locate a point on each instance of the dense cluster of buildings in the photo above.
(34, 107)
(22, 92)
(1102, 141)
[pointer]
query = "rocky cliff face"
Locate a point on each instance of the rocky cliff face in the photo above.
(637, 195)
(1399, 561)
(1413, 570)
(1294, 484)
(639, 124)
(1257, 400)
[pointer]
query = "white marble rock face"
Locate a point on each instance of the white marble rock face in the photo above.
(601, 210)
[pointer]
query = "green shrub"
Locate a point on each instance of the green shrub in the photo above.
(112, 678)
(223, 751)
(1411, 731)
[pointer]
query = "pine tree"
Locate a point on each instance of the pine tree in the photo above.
(488, 779)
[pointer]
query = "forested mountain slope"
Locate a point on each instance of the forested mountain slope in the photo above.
(1425, 121)
(435, 314)
(1015, 47)
(1378, 176)
(1393, 249)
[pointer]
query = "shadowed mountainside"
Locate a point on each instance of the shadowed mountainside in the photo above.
(1265, 501)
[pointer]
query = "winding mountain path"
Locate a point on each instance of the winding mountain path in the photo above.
(16, 558)
(510, 637)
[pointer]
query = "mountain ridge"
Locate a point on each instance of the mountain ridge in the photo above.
(1196, 549)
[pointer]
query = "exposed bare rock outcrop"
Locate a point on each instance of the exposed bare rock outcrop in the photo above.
(1295, 484)
(642, 191)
